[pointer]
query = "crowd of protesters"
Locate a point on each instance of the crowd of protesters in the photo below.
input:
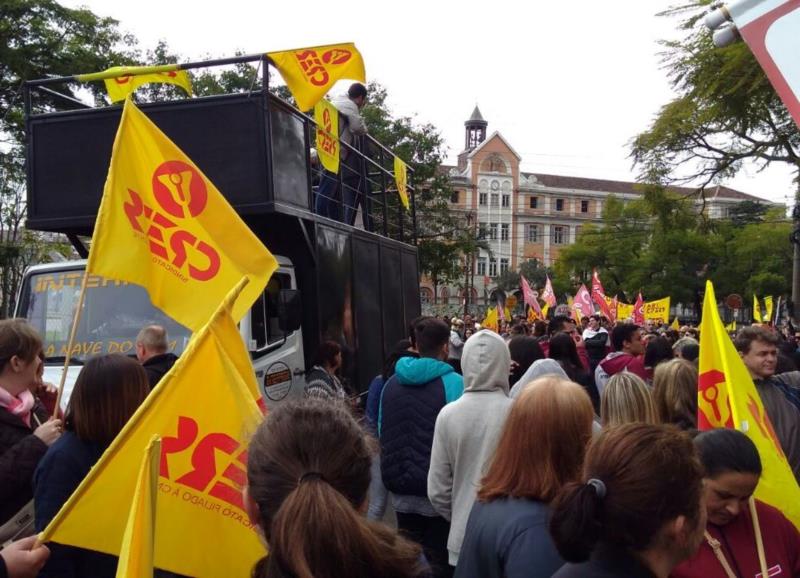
(539, 450)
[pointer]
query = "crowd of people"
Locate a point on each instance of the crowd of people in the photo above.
(548, 449)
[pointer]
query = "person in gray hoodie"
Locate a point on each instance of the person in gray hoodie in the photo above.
(467, 431)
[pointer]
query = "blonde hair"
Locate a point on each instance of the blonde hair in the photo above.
(675, 393)
(627, 399)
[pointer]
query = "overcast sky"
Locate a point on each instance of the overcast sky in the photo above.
(567, 83)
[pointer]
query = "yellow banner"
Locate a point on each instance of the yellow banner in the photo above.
(311, 72)
(163, 225)
(727, 397)
(125, 83)
(204, 411)
(657, 310)
(756, 310)
(327, 118)
(624, 311)
(401, 178)
(490, 321)
(136, 556)
(768, 306)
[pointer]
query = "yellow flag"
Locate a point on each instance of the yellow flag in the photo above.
(311, 72)
(163, 225)
(727, 397)
(532, 315)
(545, 309)
(490, 321)
(204, 412)
(731, 327)
(756, 309)
(327, 118)
(768, 307)
(401, 178)
(675, 325)
(136, 557)
(123, 83)
(624, 311)
(657, 310)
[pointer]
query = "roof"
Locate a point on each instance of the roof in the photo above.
(494, 135)
(623, 187)
(476, 116)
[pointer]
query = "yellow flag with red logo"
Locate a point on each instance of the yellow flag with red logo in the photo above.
(136, 556)
(401, 178)
(163, 225)
(311, 72)
(727, 397)
(204, 412)
(126, 79)
(327, 118)
(624, 311)
(657, 310)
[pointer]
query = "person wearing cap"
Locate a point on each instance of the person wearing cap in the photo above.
(456, 343)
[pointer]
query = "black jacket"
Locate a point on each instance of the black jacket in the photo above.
(157, 367)
(606, 563)
(20, 452)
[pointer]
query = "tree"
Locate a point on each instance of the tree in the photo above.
(40, 38)
(532, 269)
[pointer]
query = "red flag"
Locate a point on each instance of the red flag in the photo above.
(613, 309)
(529, 296)
(583, 302)
(599, 295)
(548, 296)
(501, 313)
(638, 310)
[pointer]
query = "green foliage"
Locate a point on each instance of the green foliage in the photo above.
(532, 269)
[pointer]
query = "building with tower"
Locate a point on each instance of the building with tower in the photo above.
(525, 215)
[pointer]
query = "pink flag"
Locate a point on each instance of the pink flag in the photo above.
(599, 295)
(638, 310)
(613, 309)
(529, 296)
(548, 296)
(583, 302)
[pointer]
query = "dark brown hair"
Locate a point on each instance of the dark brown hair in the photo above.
(327, 352)
(747, 335)
(431, 334)
(18, 337)
(651, 475)
(542, 444)
(308, 471)
(107, 393)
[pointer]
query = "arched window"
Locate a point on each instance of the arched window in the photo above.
(494, 164)
(426, 295)
(444, 295)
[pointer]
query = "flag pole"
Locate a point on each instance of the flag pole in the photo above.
(75, 320)
(759, 540)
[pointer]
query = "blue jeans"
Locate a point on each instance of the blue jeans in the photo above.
(325, 201)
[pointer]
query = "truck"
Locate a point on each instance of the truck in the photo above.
(335, 281)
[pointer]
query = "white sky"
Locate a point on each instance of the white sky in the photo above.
(567, 83)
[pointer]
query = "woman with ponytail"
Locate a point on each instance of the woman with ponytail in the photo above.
(637, 511)
(308, 473)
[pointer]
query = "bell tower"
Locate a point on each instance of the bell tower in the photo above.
(475, 130)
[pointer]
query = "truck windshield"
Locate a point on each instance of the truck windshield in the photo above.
(113, 314)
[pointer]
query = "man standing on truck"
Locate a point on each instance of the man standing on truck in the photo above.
(152, 352)
(349, 106)
(410, 404)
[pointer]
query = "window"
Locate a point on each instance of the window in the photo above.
(584, 206)
(482, 266)
(533, 233)
(482, 199)
(425, 295)
(264, 328)
(493, 231)
(504, 232)
(559, 235)
(559, 204)
(454, 197)
(534, 202)
(492, 267)
(503, 266)
(495, 199)
(482, 231)
(506, 200)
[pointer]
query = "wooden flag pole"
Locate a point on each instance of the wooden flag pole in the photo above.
(75, 320)
(759, 540)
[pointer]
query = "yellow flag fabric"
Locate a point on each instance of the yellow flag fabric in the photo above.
(311, 72)
(768, 307)
(624, 311)
(136, 556)
(532, 316)
(675, 325)
(657, 310)
(756, 309)
(126, 79)
(401, 178)
(545, 309)
(205, 414)
(731, 327)
(727, 397)
(327, 118)
(163, 225)
(490, 321)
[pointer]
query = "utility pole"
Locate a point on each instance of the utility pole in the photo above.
(468, 266)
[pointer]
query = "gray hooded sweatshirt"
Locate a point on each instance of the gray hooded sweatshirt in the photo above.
(467, 432)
